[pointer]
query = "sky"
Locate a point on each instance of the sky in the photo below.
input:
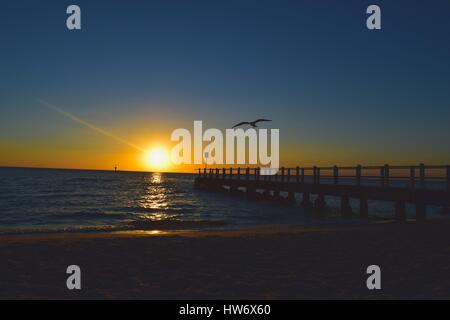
(338, 92)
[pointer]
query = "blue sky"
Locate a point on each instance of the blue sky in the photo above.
(334, 88)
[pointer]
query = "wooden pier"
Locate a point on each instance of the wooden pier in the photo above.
(419, 185)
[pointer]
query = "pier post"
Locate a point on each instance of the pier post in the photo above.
(289, 175)
(448, 178)
(421, 209)
(199, 172)
(422, 175)
(400, 210)
(223, 173)
(446, 208)
(319, 203)
(358, 175)
(217, 173)
(382, 177)
(291, 197)
(247, 173)
(386, 175)
(363, 207)
(346, 209)
(306, 201)
(297, 174)
(335, 175)
(303, 175)
(239, 173)
(412, 177)
(276, 194)
(282, 174)
(315, 175)
(231, 173)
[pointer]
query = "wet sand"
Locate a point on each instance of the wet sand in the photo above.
(289, 263)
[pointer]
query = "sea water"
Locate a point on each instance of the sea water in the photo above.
(54, 200)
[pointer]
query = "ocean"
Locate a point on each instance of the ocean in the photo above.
(57, 200)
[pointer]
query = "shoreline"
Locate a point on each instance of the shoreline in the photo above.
(268, 263)
(264, 230)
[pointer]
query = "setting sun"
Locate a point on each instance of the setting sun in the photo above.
(157, 158)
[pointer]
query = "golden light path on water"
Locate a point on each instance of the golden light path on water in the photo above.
(155, 199)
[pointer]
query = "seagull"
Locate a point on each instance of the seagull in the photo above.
(253, 124)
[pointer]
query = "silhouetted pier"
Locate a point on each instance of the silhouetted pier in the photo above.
(419, 185)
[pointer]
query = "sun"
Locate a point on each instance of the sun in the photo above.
(157, 158)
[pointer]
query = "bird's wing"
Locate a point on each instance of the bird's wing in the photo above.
(261, 120)
(240, 124)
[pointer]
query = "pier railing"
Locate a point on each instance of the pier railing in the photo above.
(417, 176)
(420, 185)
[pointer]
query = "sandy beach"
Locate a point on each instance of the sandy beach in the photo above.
(289, 263)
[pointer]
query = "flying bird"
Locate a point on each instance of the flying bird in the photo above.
(253, 123)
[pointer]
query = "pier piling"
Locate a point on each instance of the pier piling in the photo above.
(400, 211)
(363, 207)
(306, 201)
(346, 209)
(319, 203)
(291, 197)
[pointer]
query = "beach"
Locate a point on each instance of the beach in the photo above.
(257, 263)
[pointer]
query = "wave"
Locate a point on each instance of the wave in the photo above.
(128, 226)
(175, 224)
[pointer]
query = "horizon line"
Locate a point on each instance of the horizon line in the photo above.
(88, 169)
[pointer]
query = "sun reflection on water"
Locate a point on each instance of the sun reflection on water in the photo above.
(157, 216)
(155, 197)
(156, 177)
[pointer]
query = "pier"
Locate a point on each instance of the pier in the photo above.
(419, 185)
